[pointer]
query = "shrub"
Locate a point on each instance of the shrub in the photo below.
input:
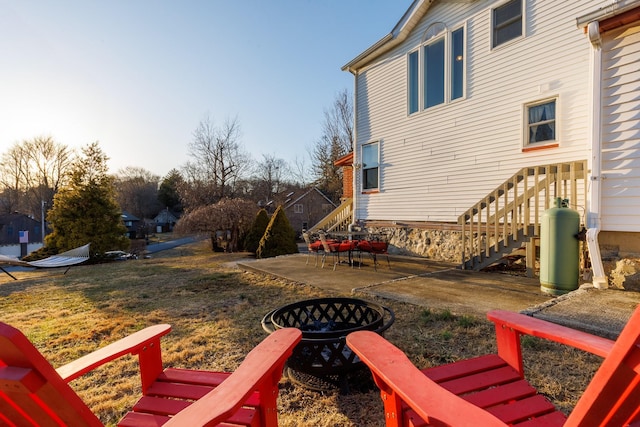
(279, 238)
(259, 226)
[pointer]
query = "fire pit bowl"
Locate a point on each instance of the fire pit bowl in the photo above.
(322, 360)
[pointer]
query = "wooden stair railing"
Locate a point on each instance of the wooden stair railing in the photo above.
(511, 213)
(337, 220)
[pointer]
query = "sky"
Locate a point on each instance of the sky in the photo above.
(138, 76)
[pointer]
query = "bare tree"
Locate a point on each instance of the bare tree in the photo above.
(219, 162)
(301, 171)
(338, 122)
(270, 175)
(137, 191)
(34, 170)
(335, 142)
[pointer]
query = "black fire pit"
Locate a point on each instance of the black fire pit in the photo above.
(322, 360)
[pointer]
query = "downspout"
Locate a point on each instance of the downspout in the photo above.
(354, 168)
(593, 212)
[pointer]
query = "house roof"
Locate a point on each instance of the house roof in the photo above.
(10, 217)
(397, 35)
(346, 160)
(126, 216)
(303, 195)
(165, 215)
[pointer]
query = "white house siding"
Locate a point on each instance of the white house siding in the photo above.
(621, 129)
(436, 163)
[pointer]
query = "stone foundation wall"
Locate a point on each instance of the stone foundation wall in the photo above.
(432, 244)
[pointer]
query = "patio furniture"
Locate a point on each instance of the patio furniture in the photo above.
(375, 247)
(312, 247)
(32, 392)
(491, 390)
(336, 247)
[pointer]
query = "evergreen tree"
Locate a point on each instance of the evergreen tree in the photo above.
(168, 191)
(85, 210)
(256, 231)
(279, 237)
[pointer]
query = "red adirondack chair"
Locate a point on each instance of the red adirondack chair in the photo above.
(33, 393)
(491, 390)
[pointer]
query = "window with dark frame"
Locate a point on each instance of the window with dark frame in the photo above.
(507, 22)
(414, 83)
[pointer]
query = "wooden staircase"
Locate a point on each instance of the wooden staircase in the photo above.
(337, 220)
(509, 217)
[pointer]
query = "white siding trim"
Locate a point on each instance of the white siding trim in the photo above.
(621, 129)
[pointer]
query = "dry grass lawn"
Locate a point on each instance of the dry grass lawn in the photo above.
(215, 311)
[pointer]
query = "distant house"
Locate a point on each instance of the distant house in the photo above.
(11, 226)
(165, 221)
(307, 208)
(132, 223)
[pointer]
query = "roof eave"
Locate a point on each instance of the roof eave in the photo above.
(355, 63)
(399, 33)
(607, 11)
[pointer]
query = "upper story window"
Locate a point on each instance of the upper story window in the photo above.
(298, 208)
(540, 120)
(434, 65)
(370, 166)
(436, 69)
(507, 22)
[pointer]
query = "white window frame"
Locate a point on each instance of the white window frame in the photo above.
(433, 34)
(526, 126)
(298, 208)
(365, 168)
(523, 19)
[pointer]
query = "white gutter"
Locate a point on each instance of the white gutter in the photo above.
(595, 123)
(593, 213)
(354, 168)
(599, 279)
(615, 7)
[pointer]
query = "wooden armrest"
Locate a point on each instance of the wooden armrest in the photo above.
(132, 344)
(262, 366)
(510, 326)
(541, 328)
(395, 375)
